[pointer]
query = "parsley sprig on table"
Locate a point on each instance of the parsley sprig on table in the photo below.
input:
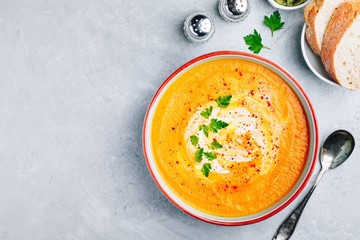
(274, 22)
(254, 41)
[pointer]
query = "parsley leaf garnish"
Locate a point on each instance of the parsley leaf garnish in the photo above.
(215, 145)
(209, 155)
(207, 112)
(216, 125)
(254, 42)
(199, 154)
(274, 22)
(205, 129)
(194, 140)
(206, 167)
(223, 102)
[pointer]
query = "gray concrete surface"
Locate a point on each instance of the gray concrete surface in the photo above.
(75, 81)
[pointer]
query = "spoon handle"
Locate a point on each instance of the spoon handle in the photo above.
(287, 228)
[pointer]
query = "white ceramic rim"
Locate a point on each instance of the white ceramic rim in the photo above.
(312, 153)
(282, 7)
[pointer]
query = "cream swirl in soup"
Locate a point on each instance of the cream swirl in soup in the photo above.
(248, 135)
(229, 137)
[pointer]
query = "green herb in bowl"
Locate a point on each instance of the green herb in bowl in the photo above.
(290, 2)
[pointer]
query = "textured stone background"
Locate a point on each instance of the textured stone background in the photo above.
(75, 81)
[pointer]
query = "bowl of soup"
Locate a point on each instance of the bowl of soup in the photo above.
(230, 138)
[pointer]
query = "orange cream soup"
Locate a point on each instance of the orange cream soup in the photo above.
(263, 147)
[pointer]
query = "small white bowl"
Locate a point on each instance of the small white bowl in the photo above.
(282, 7)
(313, 61)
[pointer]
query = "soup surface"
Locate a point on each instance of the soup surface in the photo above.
(229, 137)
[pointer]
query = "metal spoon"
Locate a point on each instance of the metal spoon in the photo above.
(336, 149)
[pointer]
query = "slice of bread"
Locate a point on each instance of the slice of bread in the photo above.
(341, 46)
(317, 15)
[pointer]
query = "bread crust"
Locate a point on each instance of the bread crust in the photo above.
(310, 13)
(340, 21)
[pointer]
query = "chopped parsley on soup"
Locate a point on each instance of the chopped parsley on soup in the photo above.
(229, 137)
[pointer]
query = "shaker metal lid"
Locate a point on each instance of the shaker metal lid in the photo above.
(199, 27)
(234, 10)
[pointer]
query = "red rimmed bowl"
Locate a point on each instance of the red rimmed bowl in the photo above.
(286, 199)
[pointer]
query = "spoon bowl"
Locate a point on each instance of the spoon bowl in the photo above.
(337, 148)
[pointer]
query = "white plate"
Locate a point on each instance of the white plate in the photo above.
(314, 61)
